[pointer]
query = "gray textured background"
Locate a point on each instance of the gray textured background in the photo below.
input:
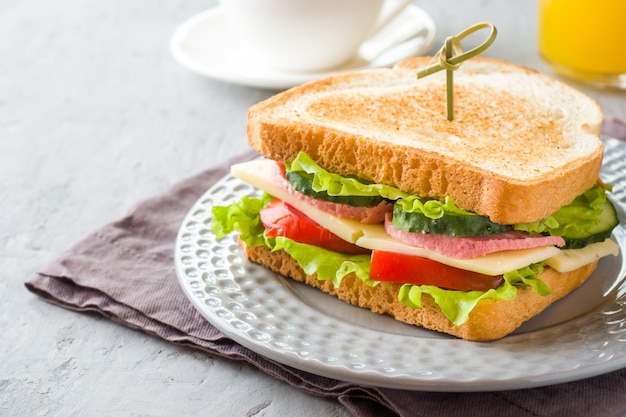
(94, 116)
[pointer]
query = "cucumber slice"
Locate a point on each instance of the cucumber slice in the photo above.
(448, 224)
(607, 221)
(303, 183)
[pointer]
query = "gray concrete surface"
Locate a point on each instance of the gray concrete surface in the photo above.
(94, 116)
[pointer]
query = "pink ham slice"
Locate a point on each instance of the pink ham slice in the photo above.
(368, 215)
(470, 247)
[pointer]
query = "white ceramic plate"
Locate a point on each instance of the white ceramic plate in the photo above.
(204, 44)
(580, 336)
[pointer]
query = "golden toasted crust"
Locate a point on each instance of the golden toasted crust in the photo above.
(490, 320)
(521, 144)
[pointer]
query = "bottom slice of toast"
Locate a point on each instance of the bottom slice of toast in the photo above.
(489, 320)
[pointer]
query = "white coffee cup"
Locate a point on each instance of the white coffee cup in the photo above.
(306, 35)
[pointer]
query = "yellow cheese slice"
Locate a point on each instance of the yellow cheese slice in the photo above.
(570, 259)
(259, 173)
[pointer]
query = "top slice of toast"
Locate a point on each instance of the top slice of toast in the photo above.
(520, 146)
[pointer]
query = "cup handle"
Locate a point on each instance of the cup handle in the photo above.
(390, 16)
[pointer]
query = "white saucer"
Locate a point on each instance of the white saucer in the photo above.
(204, 44)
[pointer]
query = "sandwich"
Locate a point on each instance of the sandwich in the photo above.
(468, 227)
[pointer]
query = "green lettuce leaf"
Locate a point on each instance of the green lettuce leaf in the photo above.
(527, 276)
(242, 216)
(573, 220)
(433, 209)
(336, 185)
(329, 265)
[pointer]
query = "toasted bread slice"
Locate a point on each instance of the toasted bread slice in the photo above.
(490, 320)
(521, 144)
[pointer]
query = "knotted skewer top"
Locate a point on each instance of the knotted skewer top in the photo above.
(451, 56)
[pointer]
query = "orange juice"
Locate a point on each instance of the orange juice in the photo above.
(584, 38)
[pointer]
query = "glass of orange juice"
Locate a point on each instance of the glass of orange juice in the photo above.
(585, 40)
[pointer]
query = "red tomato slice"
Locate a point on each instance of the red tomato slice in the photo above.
(281, 219)
(407, 269)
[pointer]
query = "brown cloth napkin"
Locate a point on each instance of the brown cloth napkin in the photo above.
(125, 271)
